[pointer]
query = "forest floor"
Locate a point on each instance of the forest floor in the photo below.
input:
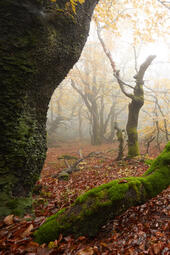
(140, 230)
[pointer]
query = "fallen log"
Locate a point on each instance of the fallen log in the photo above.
(99, 205)
(73, 168)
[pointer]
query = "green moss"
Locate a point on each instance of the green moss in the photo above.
(16, 206)
(133, 150)
(149, 161)
(132, 130)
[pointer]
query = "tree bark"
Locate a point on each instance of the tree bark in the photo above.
(101, 204)
(37, 49)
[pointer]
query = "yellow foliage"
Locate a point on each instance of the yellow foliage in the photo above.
(145, 18)
(73, 3)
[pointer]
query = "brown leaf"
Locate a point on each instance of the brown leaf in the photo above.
(122, 181)
(68, 238)
(156, 248)
(81, 238)
(27, 232)
(8, 220)
(86, 251)
(131, 251)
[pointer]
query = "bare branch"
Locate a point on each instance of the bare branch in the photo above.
(135, 55)
(165, 4)
(82, 95)
(143, 68)
(115, 72)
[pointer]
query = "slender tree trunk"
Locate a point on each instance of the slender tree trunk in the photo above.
(95, 130)
(37, 49)
(80, 121)
(120, 138)
(101, 204)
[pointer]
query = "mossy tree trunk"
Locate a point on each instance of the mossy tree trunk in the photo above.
(101, 204)
(137, 101)
(132, 123)
(37, 49)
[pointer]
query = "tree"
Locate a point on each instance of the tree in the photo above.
(137, 97)
(38, 46)
(97, 206)
(92, 80)
(144, 19)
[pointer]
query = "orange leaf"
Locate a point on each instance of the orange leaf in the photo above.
(86, 251)
(8, 220)
(27, 232)
(122, 181)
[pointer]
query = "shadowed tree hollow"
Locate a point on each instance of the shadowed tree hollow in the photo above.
(38, 47)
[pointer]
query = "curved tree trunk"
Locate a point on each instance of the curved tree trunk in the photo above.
(37, 49)
(101, 204)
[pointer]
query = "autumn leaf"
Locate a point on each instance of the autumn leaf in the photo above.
(27, 232)
(122, 181)
(86, 251)
(8, 220)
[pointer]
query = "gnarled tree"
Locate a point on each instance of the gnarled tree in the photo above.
(38, 46)
(137, 97)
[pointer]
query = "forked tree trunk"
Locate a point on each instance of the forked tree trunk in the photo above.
(137, 97)
(37, 49)
(101, 204)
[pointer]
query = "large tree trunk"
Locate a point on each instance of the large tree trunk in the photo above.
(37, 49)
(95, 207)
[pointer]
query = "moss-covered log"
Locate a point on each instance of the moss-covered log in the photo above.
(38, 47)
(95, 207)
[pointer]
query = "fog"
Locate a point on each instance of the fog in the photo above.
(88, 103)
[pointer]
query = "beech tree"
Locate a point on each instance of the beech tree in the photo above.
(38, 46)
(137, 97)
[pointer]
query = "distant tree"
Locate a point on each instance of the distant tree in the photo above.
(98, 117)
